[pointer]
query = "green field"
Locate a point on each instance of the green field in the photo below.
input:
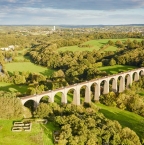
(8, 87)
(76, 48)
(141, 93)
(116, 68)
(125, 118)
(39, 135)
(95, 45)
(28, 67)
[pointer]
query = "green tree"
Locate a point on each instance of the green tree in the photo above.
(43, 110)
(112, 62)
(19, 79)
(10, 106)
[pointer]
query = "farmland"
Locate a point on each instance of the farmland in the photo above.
(95, 45)
(28, 67)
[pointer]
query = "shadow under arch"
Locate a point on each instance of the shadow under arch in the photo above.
(31, 104)
(44, 99)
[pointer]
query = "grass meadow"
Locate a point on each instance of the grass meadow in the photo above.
(95, 45)
(9, 87)
(28, 67)
(141, 93)
(39, 135)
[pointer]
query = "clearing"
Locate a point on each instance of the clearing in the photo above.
(95, 45)
(28, 67)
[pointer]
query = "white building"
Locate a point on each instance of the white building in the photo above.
(11, 47)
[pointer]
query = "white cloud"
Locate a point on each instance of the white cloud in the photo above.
(71, 12)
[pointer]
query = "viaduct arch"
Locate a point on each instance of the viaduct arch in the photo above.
(119, 83)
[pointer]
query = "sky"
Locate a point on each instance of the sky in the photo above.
(71, 12)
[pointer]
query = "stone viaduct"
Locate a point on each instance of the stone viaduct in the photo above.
(119, 82)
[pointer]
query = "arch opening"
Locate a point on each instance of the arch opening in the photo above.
(59, 98)
(31, 105)
(85, 94)
(121, 84)
(71, 96)
(44, 99)
(104, 87)
(95, 92)
(128, 81)
(141, 73)
(135, 76)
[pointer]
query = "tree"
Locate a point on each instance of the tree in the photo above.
(10, 106)
(129, 137)
(43, 111)
(112, 62)
(110, 42)
(19, 79)
(31, 91)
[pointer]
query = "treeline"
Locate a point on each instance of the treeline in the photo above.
(85, 125)
(128, 100)
(63, 38)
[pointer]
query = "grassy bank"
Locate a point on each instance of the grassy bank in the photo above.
(125, 118)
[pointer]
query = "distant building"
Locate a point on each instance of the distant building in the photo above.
(54, 28)
(8, 59)
(11, 47)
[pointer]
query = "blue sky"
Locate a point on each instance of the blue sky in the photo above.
(73, 12)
